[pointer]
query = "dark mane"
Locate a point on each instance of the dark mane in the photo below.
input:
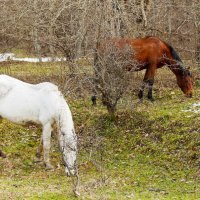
(174, 54)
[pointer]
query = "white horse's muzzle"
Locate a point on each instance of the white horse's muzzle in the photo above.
(70, 172)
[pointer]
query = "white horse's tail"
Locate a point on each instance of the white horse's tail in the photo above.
(67, 137)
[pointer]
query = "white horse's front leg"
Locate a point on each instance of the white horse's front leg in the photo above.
(46, 137)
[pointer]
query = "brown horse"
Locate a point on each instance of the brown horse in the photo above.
(151, 53)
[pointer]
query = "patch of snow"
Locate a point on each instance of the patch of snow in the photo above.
(11, 56)
(6, 56)
(195, 108)
(44, 59)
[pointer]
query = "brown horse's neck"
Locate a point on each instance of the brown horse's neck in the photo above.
(177, 69)
(175, 65)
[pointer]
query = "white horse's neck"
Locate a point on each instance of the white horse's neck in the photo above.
(67, 137)
(65, 118)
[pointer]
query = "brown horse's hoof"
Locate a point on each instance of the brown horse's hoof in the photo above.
(2, 154)
(151, 100)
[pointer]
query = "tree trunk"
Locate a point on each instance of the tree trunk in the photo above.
(35, 35)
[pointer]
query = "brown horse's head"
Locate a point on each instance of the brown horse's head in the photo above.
(185, 82)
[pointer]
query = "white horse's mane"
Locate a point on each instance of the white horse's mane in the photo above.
(44, 104)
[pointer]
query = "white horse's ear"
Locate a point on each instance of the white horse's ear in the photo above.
(4, 89)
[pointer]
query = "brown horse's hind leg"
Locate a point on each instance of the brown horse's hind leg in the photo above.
(141, 91)
(94, 100)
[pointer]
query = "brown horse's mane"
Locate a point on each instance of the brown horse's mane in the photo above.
(174, 54)
(178, 59)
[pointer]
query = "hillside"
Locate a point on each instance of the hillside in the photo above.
(150, 151)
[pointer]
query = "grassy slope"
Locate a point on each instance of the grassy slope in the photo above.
(151, 151)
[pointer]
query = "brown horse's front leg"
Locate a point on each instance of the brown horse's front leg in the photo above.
(150, 86)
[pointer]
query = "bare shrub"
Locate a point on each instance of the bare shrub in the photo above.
(111, 73)
(93, 146)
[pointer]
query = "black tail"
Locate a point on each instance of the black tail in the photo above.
(174, 54)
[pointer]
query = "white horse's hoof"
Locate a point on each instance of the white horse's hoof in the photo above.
(70, 173)
(49, 167)
(37, 160)
(140, 101)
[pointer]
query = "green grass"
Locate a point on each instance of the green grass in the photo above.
(150, 151)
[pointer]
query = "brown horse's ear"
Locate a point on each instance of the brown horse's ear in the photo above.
(187, 71)
(188, 68)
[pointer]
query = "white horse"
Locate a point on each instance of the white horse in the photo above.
(43, 104)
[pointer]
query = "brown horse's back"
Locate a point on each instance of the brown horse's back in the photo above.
(148, 50)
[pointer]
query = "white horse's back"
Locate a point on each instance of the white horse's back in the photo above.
(11, 82)
(22, 102)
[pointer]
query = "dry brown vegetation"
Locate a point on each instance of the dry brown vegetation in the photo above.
(149, 151)
(74, 29)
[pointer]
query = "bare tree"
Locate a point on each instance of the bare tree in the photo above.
(111, 74)
(74, 28)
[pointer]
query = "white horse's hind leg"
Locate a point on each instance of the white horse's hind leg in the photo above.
(46, 137)
(39, 152)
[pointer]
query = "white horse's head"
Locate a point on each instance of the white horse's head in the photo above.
(69, 158)
(69, 153)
